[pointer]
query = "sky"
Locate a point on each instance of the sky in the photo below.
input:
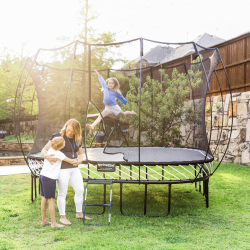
(39, 23)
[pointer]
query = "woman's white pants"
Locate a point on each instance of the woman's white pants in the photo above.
(74, 177)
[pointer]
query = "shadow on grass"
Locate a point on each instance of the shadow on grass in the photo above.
(183, 197)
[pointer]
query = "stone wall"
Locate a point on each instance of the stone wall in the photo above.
(14, 160)
(238, 112)
(14, 146)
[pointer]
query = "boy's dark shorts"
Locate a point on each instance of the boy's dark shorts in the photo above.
(47, 187)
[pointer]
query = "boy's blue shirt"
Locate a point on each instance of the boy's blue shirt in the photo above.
(110, 95)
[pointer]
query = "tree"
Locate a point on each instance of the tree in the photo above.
(10, 70)
(101, 57)
(164, 107)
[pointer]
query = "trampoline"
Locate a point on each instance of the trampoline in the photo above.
(166, 143)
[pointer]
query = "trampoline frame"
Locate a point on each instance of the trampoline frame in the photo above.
(202, 179)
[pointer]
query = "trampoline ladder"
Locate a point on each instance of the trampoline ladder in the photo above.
(103, 182)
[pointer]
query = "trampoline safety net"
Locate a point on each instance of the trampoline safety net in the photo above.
(170, 99)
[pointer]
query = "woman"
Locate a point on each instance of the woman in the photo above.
(72, 134)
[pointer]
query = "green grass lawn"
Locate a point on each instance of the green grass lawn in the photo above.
(190, 225)
(24, 138)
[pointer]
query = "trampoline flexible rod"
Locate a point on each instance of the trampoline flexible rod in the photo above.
(112, 177)
(172, 174)
(204, 155)
(92, 172)
(146, 173)
(154, 171)
(92, 177)
(203, 169)
(207, 166)
(139, 173)
(178, 171)
(106, 173)
(34, 166)
(187, 170)
(116, 174)
(211, 165)
(130, 172)
(150, 174)
(163, 170)
(39, 163)
(195, 170)
(125, 174)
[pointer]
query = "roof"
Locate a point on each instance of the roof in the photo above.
(161, 54)
(204, 40)
(156, 54)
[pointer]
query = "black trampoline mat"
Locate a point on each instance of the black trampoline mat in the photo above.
(148, 155)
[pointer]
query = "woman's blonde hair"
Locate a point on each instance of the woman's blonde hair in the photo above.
(57, 143)
(117, 84)
(76, 127)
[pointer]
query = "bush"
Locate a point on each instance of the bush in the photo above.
(164, 106)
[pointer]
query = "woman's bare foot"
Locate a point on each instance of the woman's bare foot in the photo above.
(45, 222)
(57, 225)
(80, 216)
(87, 218)
(133, 112)
(65, 221)
(90, 126)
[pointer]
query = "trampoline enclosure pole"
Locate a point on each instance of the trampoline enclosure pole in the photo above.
(89, 68)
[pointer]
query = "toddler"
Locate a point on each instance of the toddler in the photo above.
(47, 179)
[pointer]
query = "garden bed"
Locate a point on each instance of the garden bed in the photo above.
(12, 160)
